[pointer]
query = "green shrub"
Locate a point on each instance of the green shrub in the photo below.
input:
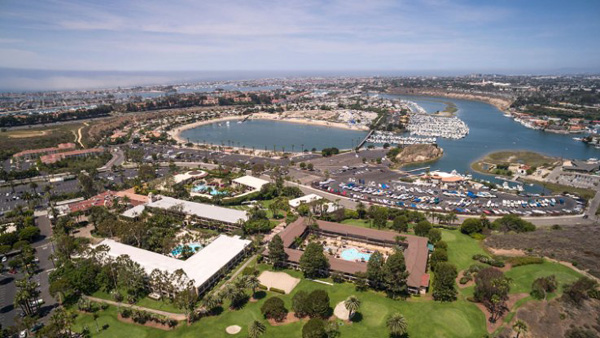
(465, 279)
(478, 236)
(487, 260)
(518, 261)
(274, 308)
(262, 287)
(277, 290)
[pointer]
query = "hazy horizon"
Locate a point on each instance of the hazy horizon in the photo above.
(16, 80)
(424, 37)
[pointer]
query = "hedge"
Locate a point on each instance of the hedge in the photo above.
(277, 290)
(262, 287)
(487, 260)
(518, 261)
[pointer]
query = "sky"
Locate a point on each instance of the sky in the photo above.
(343, 35)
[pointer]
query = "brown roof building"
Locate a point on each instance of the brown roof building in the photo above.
(53, 158)
(416, 252)
(34, 153)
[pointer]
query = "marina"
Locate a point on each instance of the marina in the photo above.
(436, 126)
(382, 137)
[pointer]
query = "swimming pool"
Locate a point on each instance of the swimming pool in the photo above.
(203, 188)
(195, 247)
(353, 254)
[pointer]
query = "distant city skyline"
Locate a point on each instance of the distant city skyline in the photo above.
(368, 37)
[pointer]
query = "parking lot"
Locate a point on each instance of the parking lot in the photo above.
(381, 186)
(44, 250)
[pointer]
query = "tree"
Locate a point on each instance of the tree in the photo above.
(519, 327)
(256, 329)
(352, 304)
(397, 325)
(422, 228)
(375, 270)
(380, 216)
(29, 233)
(62, 320)
(438, 255)
(277, 254)
(319, 304)
(212, 301)
(513, 223)
(444, 284)
(314, 328)
(252, 282)
(87, 184)
(400, 223)
(27, 296)
(542, 286)
(491, 289)
(434, 236)
(235, 294)
(301, 304)
(395, 275)
(471, 226)
(146, 173)
(577, 292)
(187, 300)
(274, 308)
(361, 210)
(313, 262)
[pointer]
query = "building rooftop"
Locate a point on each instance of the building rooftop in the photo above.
(251, 181)
(415, 255)
(200, 267)
(304, 199)
(201, 210)
(134, 212)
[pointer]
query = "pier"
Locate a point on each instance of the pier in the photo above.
(417, 169)
(365, 139)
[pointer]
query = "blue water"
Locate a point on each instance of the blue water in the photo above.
(195, 247)
(353, 254)
(266, 134)
(491, 131)
(203, 188)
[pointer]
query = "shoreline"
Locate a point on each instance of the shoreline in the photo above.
(176, 133)
(501, 104)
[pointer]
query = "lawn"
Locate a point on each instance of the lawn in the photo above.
(363, 223)
(145, 302)
(461, 248)
(425, 318)
(523, 276)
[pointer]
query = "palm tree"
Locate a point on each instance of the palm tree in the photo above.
(397, 324)
(256, 329)
(352, 304)
(520, 327)
(212, 301)
(252, 282)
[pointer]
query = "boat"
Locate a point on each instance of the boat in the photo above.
(577, 138)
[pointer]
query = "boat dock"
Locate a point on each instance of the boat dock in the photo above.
(362, 143)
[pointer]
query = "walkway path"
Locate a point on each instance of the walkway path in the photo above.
(235, 274)
(170, 315)
(78, 139)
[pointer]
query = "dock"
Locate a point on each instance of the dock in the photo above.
(362, 143)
